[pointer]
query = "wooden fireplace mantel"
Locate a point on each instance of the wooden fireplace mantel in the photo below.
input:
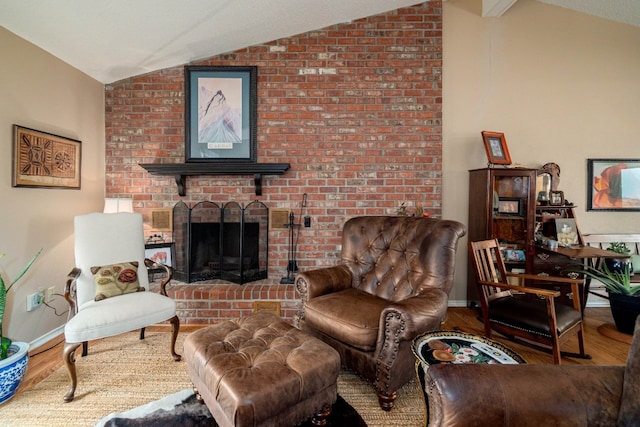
(181, 170)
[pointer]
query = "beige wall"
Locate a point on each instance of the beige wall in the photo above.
(41, 92)
(563, 86)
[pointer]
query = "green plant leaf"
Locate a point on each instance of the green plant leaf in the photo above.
(618, 282)
(3, 299)
(5, 343)
(618, 247)
(24, 270)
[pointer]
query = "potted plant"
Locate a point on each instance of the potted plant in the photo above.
(13, 355)
(403, 210)
(624, 297)
(617, 264)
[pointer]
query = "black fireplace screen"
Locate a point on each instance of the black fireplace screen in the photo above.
(228, 242)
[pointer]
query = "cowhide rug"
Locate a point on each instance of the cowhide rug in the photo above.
(182, 409)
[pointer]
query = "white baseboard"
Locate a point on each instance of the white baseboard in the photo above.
(463, 303)
(457, 303)
(598, 304)
(49, 336)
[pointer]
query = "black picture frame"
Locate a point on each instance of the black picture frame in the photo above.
(613, 184)
(220, 113)
(161, 253)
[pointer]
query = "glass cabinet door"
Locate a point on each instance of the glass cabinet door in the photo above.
(510, 207)
(502, 205)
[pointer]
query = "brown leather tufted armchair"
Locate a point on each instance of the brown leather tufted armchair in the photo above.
(392, 284)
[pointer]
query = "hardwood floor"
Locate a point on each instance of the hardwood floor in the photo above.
(604, 349)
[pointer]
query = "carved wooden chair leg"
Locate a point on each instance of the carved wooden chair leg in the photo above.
(320, 418)
(386, 401)
(141, 333)
(85, 348)
(69, 358)
(175, 322)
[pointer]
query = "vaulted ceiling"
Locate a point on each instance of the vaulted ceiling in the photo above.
(114, 39)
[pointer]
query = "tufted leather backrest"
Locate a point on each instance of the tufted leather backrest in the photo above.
(396, 257)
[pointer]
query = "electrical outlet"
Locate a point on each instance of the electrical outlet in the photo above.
(35, 300)
(307, 221)
(48, 294)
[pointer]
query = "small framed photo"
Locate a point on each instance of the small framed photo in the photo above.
(556, 198)
(509, 206)
(495, 145)
(220, 113)
(160, 253)
(567, 232)
(514, 255)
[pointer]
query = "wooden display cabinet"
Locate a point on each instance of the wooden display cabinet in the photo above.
(502, 205)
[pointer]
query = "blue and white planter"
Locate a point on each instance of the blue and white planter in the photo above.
(12, 370)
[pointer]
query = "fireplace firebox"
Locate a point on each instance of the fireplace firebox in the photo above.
(228, 242)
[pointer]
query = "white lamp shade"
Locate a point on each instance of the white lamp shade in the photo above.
(118, 205)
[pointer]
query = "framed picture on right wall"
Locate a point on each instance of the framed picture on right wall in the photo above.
(613, 185)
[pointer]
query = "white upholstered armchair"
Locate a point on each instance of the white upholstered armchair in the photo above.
(108, 289)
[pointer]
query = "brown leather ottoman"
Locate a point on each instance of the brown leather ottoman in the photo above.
(261, 371)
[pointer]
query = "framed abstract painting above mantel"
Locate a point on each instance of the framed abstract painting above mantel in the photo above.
(44, 160)
(220, 113)
(613, 184)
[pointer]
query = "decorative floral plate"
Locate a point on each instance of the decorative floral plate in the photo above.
(457, 347)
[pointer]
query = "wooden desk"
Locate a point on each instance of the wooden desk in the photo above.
(588, 255)
(582, 252)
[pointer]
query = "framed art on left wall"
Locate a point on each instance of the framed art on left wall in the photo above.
(44, 160)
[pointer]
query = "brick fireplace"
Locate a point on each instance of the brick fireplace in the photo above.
(354, 108)
(227, 241)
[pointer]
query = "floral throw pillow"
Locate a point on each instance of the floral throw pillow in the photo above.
(116, 279)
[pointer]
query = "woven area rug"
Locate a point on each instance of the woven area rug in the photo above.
(123, 372)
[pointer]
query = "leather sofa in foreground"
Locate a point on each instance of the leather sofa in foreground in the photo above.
(535, 395)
